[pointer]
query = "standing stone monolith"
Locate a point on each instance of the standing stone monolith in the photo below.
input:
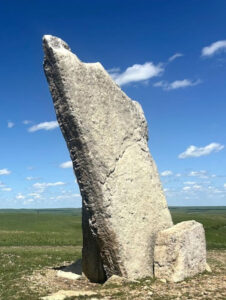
(123, 205)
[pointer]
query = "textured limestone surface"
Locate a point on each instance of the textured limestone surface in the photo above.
(180, 251)
(116, 280)
(106, 133)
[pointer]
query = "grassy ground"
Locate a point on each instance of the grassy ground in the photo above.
(213, 220)
(40, 229)
(34, 240)
(31, 240)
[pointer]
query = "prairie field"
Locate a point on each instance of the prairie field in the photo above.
(35, 241)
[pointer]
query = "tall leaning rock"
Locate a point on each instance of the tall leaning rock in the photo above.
(123, 205)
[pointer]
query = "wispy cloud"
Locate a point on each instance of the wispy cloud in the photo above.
(214, 48)
(186, 188)
(44, 126)
(193, 151)
(137, 73)
(178, 175)
(26, 122)
(200, 174)
(175, 56)
(66, 164)
(29, 178)
(5, 172)
(177, 84)
(28, 201)
(20, 196)
(189, 182)
(43, 185)
(67, 196)
(114, 70)
(35, 195)
(192, 187)
(197, 187)
(10, 124)
(167, 173)
(6, 189)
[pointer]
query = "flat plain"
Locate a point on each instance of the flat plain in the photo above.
(34, 243)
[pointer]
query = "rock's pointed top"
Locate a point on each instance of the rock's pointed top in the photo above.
(50, 41)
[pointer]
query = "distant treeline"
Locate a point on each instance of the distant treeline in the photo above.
(78, 211)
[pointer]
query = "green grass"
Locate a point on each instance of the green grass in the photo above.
(19, 262)
(23, 235)
(31, 240)
(213, 220)
(32, 229)
(63, 228)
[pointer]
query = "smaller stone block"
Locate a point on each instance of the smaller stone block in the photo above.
(180, 251)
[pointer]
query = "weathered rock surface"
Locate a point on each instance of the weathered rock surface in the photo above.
(116, 280)
(208, 269)
(106, 133)
(180, 251)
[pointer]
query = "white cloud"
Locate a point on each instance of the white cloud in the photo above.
(167, 173)
(177, 84)
(193, 151)
(44, 126)
(28, 201)
(178, 175)
(189, 182)
(44, 185)
(113, 70)
(200, 174)
(215, 190)
(214, 48)
(137, 73)
(225, 185)
(26, 122)
(175, 56)
(67, 196)
(192, 188)
(10, 124)
(5, 172)
(6, 189)
(29, 178)
(186, 188)
(197, 187)
(30, 168)
(35, 195)
(66, 164)
(20, 196)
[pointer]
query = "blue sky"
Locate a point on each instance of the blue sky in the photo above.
(168, 55)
